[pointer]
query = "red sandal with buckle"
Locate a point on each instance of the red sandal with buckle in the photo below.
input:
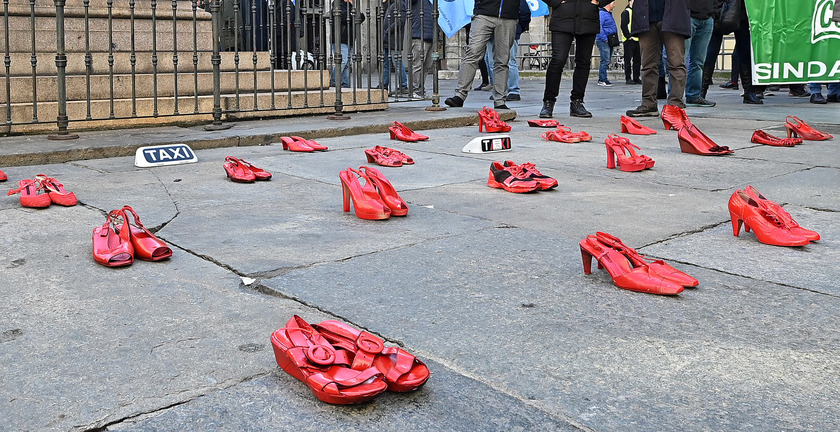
(367, 202)
(110, 248)
(309, 357)
(147, 246)
(403, 371)
(32, 194)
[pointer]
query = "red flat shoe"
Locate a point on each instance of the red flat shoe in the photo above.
(633, 127)
(695, 142)
(512, 179)
(780, 212)
(147, 246)
(292, 144)
(761, 137)
(3, 176)
(309, 357)
(32, 194)
(533, 173)
(401, 132)
(366, 200)
(796, 127)
(386, 191)
(56, 191)
(489, 121)
(638, 260)
(375, 155)
(238, 172)
(674, 117)
(768, 227)
(314, 145)
(544, 123)
(616, 155)
(259, 173)
(110, 248)
(403, 371)
(641, 279)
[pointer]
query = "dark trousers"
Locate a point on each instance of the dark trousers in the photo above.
(561, 44)
(632, 56)
(651, 43)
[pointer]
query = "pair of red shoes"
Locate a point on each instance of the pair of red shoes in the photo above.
(761, 137)
(631, 270)
(376, 199)
(43, 191)
(767, 219)
(621, 151)
(298, 144)
(798, 128)
(386, 156)
(243, 172)
(490, 121)
(401, 132)
(117, 242)
(343, 365)
(631, 126)
(692, 140)
(518, 178)
(564, 134)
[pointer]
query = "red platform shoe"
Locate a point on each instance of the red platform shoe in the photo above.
(633, 127)
(489, 120)
(674, 117)
(638, 260)
(761, 137)
(780, 212)
(617, 152)
(366, 200)
(695, 142)
(641, 279)
(796, 127)
(768, 227)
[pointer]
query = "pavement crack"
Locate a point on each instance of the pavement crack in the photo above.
(174, 203)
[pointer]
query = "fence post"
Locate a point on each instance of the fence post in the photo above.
(337, 59)
(60, 64)
(436, 62)
(216, 60)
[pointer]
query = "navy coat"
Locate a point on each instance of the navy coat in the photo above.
(677, 18)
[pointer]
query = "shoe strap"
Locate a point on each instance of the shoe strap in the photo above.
(24, 185)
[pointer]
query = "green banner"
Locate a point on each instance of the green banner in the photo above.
(794, 41)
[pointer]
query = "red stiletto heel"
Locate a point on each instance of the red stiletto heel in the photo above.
(491, 122)
(761, 137)
(403, 372)
(32, 194)
(310, 143)
(292, 144)
(238, 172)
(631, 126)
(309, 357)
(768, 227)
(631, 148)
(147, 246)
(641, 279)
(386, 191)
(695, 142)
(56, 191)
(110, 248)
(401, 132)
(674, 117)
(638, 260)
(366, 200)
(796, 127)
(616, 154)
(780, 212)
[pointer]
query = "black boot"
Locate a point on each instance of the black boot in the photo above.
(750, 96)
(576, 109)
(547, 109)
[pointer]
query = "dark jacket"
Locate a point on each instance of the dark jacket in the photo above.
(676, 19)
(428, 20)
(524, 19)
(625, 23)
(393, 26)
(507, 9)
(347, 36)
(578, 17)
(702, 9)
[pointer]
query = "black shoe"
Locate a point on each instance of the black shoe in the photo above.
(637, 81)
(642, 111)
(628, 82)
(699, 102)
(832, 98)
(774, 88)
(752, 98)
(730, 85)
(513, 97)
(547, 110)
(576, 109)
(454, 101)
(798, 92)
(817, 98)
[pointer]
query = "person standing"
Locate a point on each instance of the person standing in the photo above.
(658, 22)
(347, 13)
(578, 21)
(496, 19)
(422, 30)
(513, 67)
(392, 43)
(632, 56)
(696, 46)
(608, 28)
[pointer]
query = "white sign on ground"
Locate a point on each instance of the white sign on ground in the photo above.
(160, 155)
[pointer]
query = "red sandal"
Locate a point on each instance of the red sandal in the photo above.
(147, 246)
(32, 194)
(238, 172)
(56, 191)
(110, 248)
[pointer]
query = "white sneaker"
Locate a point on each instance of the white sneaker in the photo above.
(604, 83)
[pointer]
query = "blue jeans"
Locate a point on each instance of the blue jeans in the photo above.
(833, 88)
(606, 54)
(345, 67)
(695, 55)
(513, 66)
(398, 65)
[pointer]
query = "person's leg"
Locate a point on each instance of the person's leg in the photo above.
(488, 59)
(561, 44)
(346, 53)
(833, 92)
(604, 51)
(650, 44)
(417, 64)
(637, 62)
(712, 50)
(513, 69)
(696, 48)
(583, 62)
(502, 40)
(816, 88)
(480, 32)
(628, 56)
(425, 67)
(386, 68)
(742, 46)
(675, 46)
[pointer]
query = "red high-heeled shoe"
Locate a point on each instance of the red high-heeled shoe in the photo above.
(147, 246)
(401, 132)
(638, 260)
(396, 154)
(796, 127)
(259, 173)
(296, 145)
(110, 248)
(641, 279)
(761, 137)
(631, 126)
(533, 173)
(32, 194)
(695, 142)
(780, 212)
(512, 179)
(309, 357)
(386, 191)
(674, 117)
(311, 143)
(768, 227)
(402, 371)
(616, 154)
(631, 148)
(544, 123)
(366, 200)
(3, 176)
(489, 120)
(56, 191)
(238, 172)
(375, 155)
